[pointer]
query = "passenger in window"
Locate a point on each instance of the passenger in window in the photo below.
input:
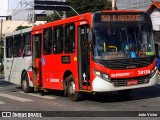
(27, 50)
(20, 52)
(99, 47)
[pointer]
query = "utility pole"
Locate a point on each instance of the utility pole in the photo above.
(113, 4)
(1, 30)
(33, 14)
(64, 12)
(1, 39)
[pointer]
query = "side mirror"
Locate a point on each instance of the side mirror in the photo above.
(90, 37)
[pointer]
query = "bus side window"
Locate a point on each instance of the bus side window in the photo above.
(26, 44)
(9, 47)
(47, 41)
(58, 40)
(17, 45)
(69, 38)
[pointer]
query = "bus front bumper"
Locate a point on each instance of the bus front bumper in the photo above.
(100, 85)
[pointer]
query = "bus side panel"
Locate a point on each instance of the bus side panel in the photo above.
(14, 68)
(53, 70)
(28, 68)
(8, 68)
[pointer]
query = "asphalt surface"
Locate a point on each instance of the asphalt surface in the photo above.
(99, 106)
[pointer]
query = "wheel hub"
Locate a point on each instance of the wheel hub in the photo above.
(72, 88)
(24, 84)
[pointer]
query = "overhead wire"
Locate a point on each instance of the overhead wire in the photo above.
(16, 7)
(22, 2)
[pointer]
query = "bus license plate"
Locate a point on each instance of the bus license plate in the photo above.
(132, 82)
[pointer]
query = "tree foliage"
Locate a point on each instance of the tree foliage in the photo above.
(84, 6)
(53, 17)
(21, 27)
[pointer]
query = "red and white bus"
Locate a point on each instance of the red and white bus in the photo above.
(93, 52)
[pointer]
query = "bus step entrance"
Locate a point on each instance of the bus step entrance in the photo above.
(86, 85)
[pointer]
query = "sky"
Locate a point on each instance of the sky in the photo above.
(5, 7)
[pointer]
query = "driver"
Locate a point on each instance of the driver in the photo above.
(99, 48)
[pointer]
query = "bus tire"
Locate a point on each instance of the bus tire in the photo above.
(125, 92)
(25, 84)
(71, 90)
(65, 86)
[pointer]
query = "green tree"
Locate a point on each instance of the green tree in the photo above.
(53, 17)
(21, 27)
(84, 6)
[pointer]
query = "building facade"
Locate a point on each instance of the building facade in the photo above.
(154, 11)
(133, 4)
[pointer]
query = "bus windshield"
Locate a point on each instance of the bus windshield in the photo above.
(120, 42)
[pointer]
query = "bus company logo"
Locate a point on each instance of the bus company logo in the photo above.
(6, 114)
(120, 74)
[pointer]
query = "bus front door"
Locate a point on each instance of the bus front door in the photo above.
(83, 58)
(36, 60)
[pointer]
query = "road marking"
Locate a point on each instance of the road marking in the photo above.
(2, 102)
(37, 95)
(15, 98)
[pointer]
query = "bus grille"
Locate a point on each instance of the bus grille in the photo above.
(128, 63)
(123, 82)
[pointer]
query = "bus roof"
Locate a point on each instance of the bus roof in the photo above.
(62, 21)
(121, 11)
(78, 18)
(19, 31)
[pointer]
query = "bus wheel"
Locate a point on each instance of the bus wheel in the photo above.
(124, 92)
(71, 89)
(65, 86)
(25, 85)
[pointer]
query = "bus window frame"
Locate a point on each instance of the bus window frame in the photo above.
(24, 43)
(17, 45)
(55, 39)
(48, 41)
(9, 46)
(74, 39)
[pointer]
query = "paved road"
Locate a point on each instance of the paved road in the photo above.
(13, 99)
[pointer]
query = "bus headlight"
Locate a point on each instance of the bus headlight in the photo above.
(97, 73)
(105, 76)
(102, 75)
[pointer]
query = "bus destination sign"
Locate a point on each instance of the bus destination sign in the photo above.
(108, 18)
(103, 17)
